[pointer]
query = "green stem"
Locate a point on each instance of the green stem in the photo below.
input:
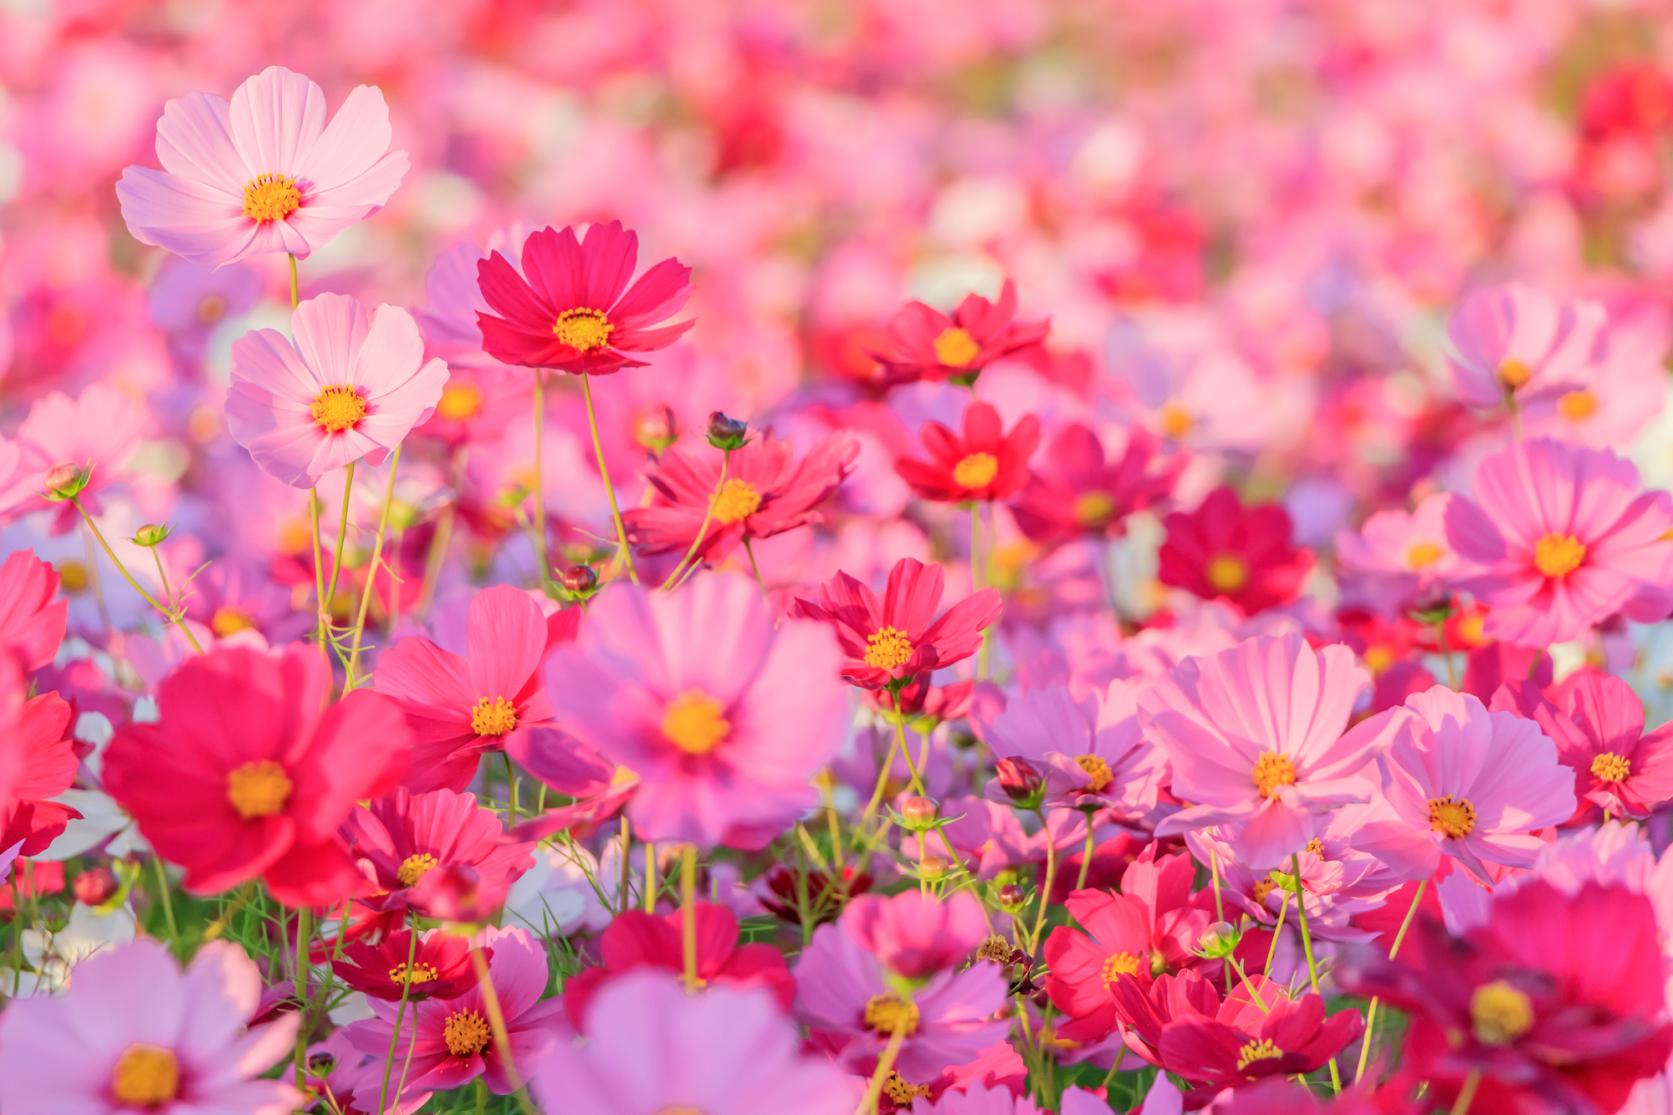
(1045, 890)
(540, 476)
(400, 1013)
(322, 626)
(885, 1063)
(1466, 1094)
(1307, 950)
(304, 933)
(342, 535)
(688, 914)
(164, 898)
(674, 578)
(133, 584)
(609, 488)
(755, 568)
(1085, 854)
(1393, 951)
(510, 788)
(372, 572)
(293, 286)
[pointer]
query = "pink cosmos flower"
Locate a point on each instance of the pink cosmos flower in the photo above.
(264, 173)
(1254, 736)
(438, 852)
(38, 763)
(97, 432)
(135, 1033)
(1566, 537)
(724, 719)
(32, 615)
(454, 1041)
(981, 1100)
(567, 304)
(1398, 558)
(348, 386)
(726, 1051)
(979, 462)
(463, 706)
(928, 344)
(914, 935)
(1084, 487)
(1513, 341)
(1463, 782)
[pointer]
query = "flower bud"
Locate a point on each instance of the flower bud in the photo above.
(655, 429)
(917, 814)
(152, 534)
(1218, 940)
(932, 866)
(66, 482)
(726, 433)
(1021, 781)
(1011, 897)
(578, 580)
(95, 886)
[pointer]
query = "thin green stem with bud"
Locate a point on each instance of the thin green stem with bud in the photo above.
(623, 548)
(167, 613)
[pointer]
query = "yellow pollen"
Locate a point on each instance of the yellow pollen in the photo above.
(229, 621)
(899, 1089)
(736, 501)
(976, 470)
(694, 723)
(1118, 965)
(259, 788)
(1558, 555)
(887, 1013)
(1227, 573)
(1094, 509)
(1611, 767)
(338, 408)
(145, 1076)
(583, 329)
(416, 973)
(956, 348)
(493, 716)
(466, 1033)
(1316, 846)
(73, 577)
(1499, 1013)
(1452, 816)
(1577, 406)
(271, 197)
(1421, 555)
(1378, 658)
(1473, 629)
(211, 308)
(1273, 770)
(1175, 420)
(1513, 374)
(1263, 1050)
(1098, 776)
(888, 649)
(415, 867)
(1261, 889)
(459, 401)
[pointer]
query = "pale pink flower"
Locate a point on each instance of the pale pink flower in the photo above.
(1513, 341)
(1398, 558)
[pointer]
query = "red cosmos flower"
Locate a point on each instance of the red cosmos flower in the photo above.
(37, 763)
(1226, 551)
(461, 707)
(1112, 945)
(639, 940)
(900, 637)
(984, 463)
(32, 622)
(1557, 1000)
(438, 852)
(1081, 488)
(927, 344)
(565, 306)
(766, 492)
(247, 773)
(438, 965)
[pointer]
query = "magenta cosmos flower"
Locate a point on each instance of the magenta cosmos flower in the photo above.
(724, 719)
(264, 173)
(463, 706)
(1091, 751)
(1513, 341)
(1254, 736)
(1463, 782)
(134, 1033)
(349, 386)
(568, 306)
(440, 853)
(727, 1051)
(1566, 537)
(899, 637)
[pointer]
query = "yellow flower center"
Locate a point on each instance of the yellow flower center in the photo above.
(583, 329)
(1263, 1050)
(73, 577)
(259, 788)
(694, 723)
(1175, 420)
(1513, 374)
(1227, 573)
(1273, 770)
(414, 973)
(1558, 555)
(493, 716)
(1421, 555)
(956, 348)
(466, 1033)
(888, 1013)
(459, 401)
(415, 867)
(1611, 767)
(888, 649)
(271, 197)
(229, 621)
(145, 1076)
(976, 470)
(1378, 658)
(338, 408)
(1577, 406)
(1316, 846)
(1118, 965)
(1499, 1013)
(901, 1090)
(736, 501)
(1094, 509)
(1452, 816)
(1098, 776)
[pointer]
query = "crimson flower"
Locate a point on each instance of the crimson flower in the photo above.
(982, 463)
(438, 852)
(1085, 488)
(928, 344)
(438, 965)
(1225, 550)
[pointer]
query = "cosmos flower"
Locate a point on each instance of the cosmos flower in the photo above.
(423, 849)
(93, 434)
(925, 343)
(32, 615)
(1113, 942)
(135, 1033)
(438, 964)
(1226, 550)
(263, 173)
(1399, 558)
(1091, 751)
(567, 303)
(1080, 488)
(900, 637)
(1514, 341)
(724, 718)
(38, 763)
(247, 773)
(346, 387)
(982, 463)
